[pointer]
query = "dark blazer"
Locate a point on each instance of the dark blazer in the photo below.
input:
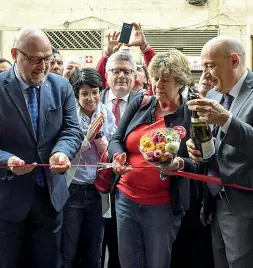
(105, 91)
(58, 131)
(235, 153)
(135, 116)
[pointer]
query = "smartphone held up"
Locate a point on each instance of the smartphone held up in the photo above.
(125, 33)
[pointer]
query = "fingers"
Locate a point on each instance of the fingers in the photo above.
(59, 163)
(97, 126)
(22, 170)
(121, 158)
(120, 169)
(115, 35)
(119, 164)
(136, 26)
(63, 160)
(200, 102)
(194, 153)
(18, 166)
(97, 121)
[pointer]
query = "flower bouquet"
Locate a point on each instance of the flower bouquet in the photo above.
(160, 146)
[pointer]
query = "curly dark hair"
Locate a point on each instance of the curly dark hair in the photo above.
(85, 76)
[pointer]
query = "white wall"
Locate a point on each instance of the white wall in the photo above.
(234, 17)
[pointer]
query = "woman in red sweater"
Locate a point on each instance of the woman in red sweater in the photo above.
(149, 210)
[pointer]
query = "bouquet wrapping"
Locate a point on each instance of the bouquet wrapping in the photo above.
(160, 146)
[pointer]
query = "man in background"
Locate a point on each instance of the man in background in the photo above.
(70, 66)
(4, 65)
(56, 66)
(120, 76)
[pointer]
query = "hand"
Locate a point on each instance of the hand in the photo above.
(113, 44)
(95, 126)
(21, 170)
(119, 161)
(204, 84)
(194, 153)
(209, 111)
(177, 164)
(139, 37)
(59, 163)
(208, 221)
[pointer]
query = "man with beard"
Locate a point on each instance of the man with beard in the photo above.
(38, 125)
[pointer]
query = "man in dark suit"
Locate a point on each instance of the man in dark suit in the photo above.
(120, 75)
(38, 124)
(230, 109)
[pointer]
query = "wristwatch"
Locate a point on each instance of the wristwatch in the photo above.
(99, 135)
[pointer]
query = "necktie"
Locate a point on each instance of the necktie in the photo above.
(116, 109)
(33, 109)
(213, 169)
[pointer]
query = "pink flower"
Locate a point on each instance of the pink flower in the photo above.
(157, 153)
(149, 156)
(162, 139)
(156, 139)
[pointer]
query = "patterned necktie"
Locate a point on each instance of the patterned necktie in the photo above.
(213, 169)
(33, 109)
(227, 101)
(116, 109)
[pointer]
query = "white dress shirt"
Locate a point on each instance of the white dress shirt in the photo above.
(110, 97)
(234, 92)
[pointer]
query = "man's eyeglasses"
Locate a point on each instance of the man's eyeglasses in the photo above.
(35, 60)
(116, 71)
(85, 95)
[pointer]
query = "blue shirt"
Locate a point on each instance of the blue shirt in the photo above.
(91, 156)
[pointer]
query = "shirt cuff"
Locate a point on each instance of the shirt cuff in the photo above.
(225, 127)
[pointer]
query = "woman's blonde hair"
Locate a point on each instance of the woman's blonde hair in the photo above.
(172, 62)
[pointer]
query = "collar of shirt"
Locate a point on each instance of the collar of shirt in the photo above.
(112, 97)
(23, 85)
(237, 87)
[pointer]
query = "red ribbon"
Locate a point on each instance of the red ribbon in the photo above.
(187, 175)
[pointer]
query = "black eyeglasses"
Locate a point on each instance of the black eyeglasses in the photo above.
(126, 72)
(35, 60)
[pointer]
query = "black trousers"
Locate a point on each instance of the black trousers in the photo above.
(193, 244)
(34, 241)
(111, 239)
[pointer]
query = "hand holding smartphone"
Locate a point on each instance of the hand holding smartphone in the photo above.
(125, 33)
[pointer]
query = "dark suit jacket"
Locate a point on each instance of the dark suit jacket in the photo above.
(235, 153)
(58, 131)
